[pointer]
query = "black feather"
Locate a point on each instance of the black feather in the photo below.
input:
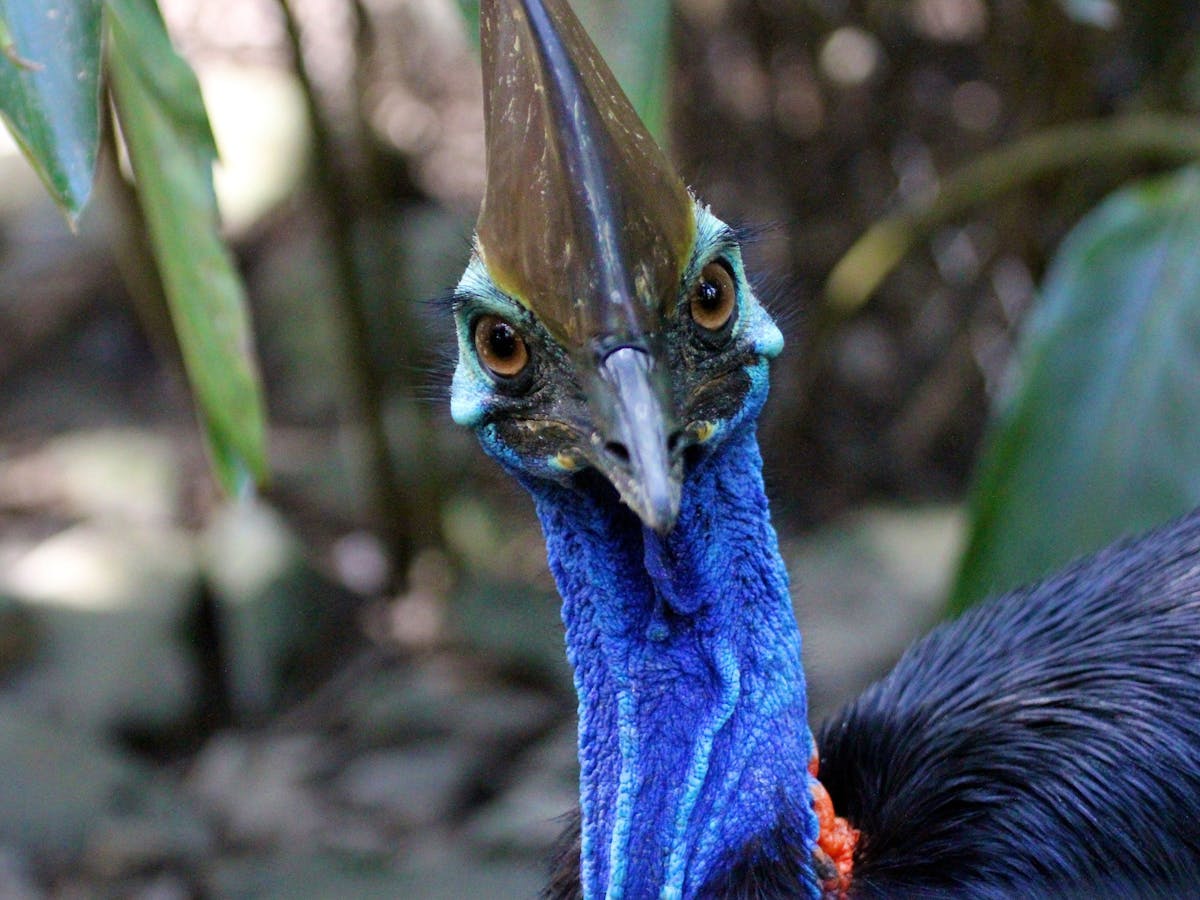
(565, 883)
(442, 303)
(770, 868)
(1047, 743)
(751, 232)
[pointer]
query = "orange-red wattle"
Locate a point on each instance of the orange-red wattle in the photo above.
(836, 838)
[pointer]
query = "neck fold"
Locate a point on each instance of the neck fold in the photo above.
(693, 738)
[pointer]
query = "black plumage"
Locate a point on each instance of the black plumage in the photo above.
(1047, 740)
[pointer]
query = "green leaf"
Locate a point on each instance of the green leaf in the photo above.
(470, 13)
(50, 91)
(171, 149)
(1100, 436)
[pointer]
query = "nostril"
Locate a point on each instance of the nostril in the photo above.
(618, 450)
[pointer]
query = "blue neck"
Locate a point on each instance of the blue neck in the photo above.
(692, 714)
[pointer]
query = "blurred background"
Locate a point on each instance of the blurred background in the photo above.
(354, 684)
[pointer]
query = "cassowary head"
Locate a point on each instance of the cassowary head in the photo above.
(604, 322)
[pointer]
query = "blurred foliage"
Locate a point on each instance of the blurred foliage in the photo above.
(1113, 141)
(49, 95)
(1096, 441)
(1100, 436)
(1099, 440)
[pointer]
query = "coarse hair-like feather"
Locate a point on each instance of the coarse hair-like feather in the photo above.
(1047, 743)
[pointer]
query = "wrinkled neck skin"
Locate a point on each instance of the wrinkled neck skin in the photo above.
(692, 709)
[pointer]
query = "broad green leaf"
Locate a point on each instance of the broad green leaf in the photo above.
(50, 91)
(1100, 436)
(171, 150)
(634, 39)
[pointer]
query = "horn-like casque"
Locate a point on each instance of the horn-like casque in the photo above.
(584, 220)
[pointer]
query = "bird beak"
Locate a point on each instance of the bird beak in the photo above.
(638, 443)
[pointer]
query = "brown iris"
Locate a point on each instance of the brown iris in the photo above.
(500, 347)
(713, 298)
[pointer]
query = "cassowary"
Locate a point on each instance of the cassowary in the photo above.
(613, 358)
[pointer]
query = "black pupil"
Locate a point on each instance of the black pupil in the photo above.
(709, 295)
(502, 340)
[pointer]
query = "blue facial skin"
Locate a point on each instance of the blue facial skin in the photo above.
(692, 709)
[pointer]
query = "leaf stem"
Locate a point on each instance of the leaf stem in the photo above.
(881, 248)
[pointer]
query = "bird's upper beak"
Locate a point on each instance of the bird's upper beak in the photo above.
(640, 455)
(585, 221)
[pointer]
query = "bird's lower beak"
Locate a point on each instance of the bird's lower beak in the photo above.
(638, 452)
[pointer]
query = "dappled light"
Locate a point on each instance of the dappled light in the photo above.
(851, 57)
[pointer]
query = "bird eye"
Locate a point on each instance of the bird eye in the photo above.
(500, 347)
(714, 298)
